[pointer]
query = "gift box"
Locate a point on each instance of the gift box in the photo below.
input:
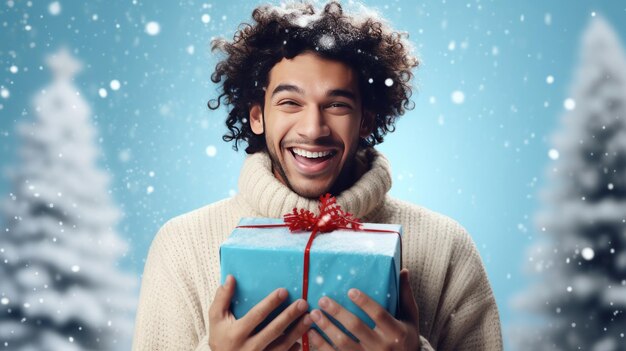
(263, 259)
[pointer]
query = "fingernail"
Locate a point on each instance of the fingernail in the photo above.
(227, 281)
(301, 305)
(282, 293)
(307, 320)
(353, 293)
(323, 302)
(316, 315)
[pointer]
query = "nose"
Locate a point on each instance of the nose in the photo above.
(312, 124)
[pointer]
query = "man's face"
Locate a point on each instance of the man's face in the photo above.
(312, 122)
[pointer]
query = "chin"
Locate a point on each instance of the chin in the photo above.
(310, 191)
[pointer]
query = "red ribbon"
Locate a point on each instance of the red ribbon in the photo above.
(331, 217)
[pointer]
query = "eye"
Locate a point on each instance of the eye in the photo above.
(288, 102)
(339, 105)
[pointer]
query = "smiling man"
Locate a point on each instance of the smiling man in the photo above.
(311, 92)
(313, 121)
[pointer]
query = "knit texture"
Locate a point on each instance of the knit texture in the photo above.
(457, 308)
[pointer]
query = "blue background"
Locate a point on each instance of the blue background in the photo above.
(481, 162)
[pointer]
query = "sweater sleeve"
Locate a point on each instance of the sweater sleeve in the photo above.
(469, 315)
(164, 319)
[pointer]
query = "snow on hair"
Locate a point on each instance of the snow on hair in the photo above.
(362, 39)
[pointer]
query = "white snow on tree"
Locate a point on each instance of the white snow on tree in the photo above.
(580, 265)
(60, 287)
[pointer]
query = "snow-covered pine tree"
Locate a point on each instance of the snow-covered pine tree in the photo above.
(581, 261)
(60, 287)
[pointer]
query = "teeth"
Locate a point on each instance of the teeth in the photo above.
(309, 154)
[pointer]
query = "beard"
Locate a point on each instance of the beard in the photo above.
(344, 180)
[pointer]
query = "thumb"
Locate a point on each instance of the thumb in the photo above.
(408, 306)
(224, 294)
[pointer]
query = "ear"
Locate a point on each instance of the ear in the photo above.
(256, 119)
(367, 123)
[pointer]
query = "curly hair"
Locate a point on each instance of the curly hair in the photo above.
(383, 59)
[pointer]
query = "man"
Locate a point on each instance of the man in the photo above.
(311, 92)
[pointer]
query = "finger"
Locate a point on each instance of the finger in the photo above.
(336, 336)
(295, 347)
(294, 333)
(385, 322)
(351, 322)
(261, 310)
(221, 302)
(408, 307)
(279, 324)
(318, 341)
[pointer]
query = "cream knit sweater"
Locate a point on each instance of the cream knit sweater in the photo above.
(456, 305)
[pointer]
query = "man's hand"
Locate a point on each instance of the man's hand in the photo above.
(389, 333)
(227, 333)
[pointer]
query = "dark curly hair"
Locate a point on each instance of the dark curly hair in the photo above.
(382, 57)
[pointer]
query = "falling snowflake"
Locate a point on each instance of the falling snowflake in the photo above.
(553, 154)
(211, 151)
(153, 28)
(54, 8)
(587, 253)
(115, 84)
(458, 97)
(326, 42)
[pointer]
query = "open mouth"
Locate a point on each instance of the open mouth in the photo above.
(312, 162)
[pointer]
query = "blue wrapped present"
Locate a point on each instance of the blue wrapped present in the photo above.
(264, 259)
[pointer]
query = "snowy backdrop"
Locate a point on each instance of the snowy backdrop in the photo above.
(60, 287)
(518, 133)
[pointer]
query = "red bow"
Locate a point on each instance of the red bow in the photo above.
(331, 217)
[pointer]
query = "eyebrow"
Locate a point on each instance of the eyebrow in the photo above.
(342, 92)
(334, 92)
(287, 87)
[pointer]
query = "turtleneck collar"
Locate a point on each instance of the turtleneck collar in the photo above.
(268, 197)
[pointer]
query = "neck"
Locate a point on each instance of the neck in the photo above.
(351, 173)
